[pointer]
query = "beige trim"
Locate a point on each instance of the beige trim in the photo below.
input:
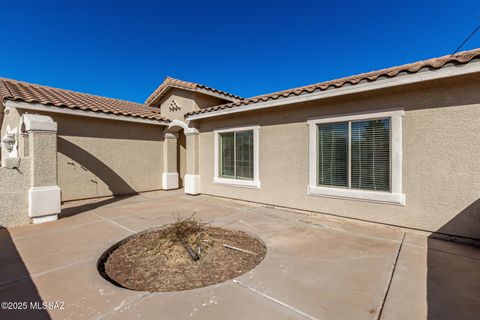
(186, 129)
(199, 90)
(44, 201)
(35, 122)
(445, 72)
(170, 180)
(192, 184)
(82, 113)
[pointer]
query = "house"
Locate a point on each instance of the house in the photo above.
(398, 146)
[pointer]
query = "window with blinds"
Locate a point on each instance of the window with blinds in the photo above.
(236, 155)
(354, 154)
(333, 154)
(227, 155)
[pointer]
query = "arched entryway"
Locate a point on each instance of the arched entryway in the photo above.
(181, 158)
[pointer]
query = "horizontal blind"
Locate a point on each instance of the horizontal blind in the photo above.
(332, 155)
(227, 154)
(244, 155)
(370, 155)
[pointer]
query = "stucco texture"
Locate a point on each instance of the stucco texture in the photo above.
(99, 157)
(441, 152)
(177, 102)
(14, 186)
(181, 157)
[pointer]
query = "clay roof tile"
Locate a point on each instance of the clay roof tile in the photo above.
(434, 63)
(33, 93)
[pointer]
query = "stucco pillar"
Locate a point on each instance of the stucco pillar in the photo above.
(44, 194)
(192, 176)
(170, 171)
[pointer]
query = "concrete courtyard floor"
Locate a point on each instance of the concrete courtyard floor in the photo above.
(317, 267)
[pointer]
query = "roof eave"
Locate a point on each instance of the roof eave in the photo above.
(199, 90)
(445, 72)
(77, 112)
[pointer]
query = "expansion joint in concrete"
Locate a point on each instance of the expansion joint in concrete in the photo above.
(389, 283)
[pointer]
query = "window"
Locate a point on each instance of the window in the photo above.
(236, 157)
(333, 154)
(370, 154)
(357, 157)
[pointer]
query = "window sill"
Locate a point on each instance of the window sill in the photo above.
(361, 195)
(255, 184)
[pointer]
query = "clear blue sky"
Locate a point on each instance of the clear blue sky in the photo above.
(124, 49)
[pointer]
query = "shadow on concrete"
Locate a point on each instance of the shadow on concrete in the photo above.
(71, 211)
(16, 285)
(116, 184)
(453, 269)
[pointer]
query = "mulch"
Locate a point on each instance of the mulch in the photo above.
(158, 261)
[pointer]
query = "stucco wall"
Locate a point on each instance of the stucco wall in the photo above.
(177, 102)
(105, 157)
(205, 101)
(14, 186)
(98, 157)
(441, 156)
(181, 157)
(181, 99)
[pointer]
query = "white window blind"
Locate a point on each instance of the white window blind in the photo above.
(354, 154)
(370, 155)
(333, 154)
(227, 154)
(236, 155)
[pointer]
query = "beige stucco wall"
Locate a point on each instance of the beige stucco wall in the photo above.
(181, 157)
(99, 157)
(192, 165)
(441, 156)
(20, 174)
(186, 101)
(104, 157)
(14, 186)
(204, 101)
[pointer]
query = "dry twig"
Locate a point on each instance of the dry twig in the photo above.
(237, 249)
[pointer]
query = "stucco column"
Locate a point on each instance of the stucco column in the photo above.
(192, 176)
(44, 194)
(170, 171)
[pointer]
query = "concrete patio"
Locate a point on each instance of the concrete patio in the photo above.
(317, 267)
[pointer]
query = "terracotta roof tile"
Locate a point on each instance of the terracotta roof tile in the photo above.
(172, 82)
(22, 91)
(435, 63)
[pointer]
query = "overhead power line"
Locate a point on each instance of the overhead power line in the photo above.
(466, 40)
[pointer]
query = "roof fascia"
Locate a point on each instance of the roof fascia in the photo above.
(443, 73)
(82, 113)
(199, 90)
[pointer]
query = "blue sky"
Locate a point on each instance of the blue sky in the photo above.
(124, 49)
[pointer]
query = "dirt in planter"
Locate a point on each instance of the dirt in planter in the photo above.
(158, 261)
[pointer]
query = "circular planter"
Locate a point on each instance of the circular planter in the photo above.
(149, 261)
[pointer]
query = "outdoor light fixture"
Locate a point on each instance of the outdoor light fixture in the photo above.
(9, 142)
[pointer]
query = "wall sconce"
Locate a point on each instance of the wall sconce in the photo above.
(9, 141)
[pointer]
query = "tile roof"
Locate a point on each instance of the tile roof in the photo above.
(430, 64)
(176, 83)
(22, 91)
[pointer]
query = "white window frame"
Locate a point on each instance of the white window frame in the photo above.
(395, 195)
(255, 183)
